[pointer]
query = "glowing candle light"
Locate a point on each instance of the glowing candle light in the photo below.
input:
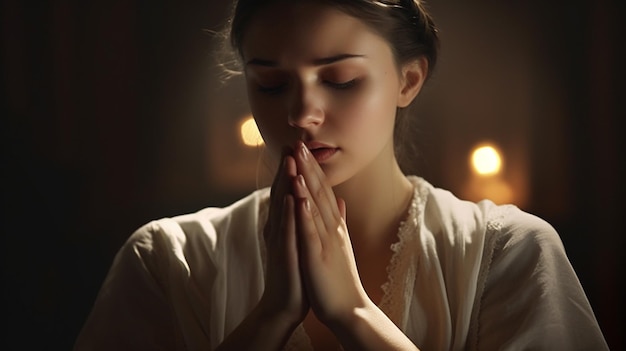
(249, 132)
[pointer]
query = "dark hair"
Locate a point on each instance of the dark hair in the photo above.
(405, 24)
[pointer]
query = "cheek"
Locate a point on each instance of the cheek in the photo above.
(372, 110)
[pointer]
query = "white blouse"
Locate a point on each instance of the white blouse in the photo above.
(463, 276)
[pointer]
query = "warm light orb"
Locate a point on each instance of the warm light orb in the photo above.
(249, 132)
(486, 160)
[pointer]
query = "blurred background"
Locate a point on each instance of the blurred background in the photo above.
(114, 114)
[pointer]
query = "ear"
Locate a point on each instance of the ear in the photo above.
(413, 76)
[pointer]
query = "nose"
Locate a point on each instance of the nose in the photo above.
(305, 109)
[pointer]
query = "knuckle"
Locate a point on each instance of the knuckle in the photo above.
(320, 193)
(315, 212)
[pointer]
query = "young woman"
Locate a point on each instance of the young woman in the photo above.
(344, 250)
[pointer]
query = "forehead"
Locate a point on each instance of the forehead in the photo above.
(306, 28)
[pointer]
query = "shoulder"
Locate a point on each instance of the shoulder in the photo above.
(516, 230)
(482, 233)
(247, 210)
(175, 274)
(526, 275)
(208, 229)
(519, 271)
(506, 224)
(526, 249)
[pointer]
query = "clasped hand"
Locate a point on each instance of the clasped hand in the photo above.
(310, 259)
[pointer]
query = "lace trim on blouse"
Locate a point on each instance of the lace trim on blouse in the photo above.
(402, 268)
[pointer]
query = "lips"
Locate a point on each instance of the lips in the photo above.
(323, 154)
(321, 151)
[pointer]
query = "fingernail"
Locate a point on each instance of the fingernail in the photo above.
(307, 205)
(304, 151)
(301, 180)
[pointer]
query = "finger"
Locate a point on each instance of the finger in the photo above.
(286, 151)
(288, 227)
(321, 193)
(301, 192)
(290, 168)
(309, 242)
(276, 198)
(280, 187)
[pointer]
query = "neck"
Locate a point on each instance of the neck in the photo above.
(376, 201)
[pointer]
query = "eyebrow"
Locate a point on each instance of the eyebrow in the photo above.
(317, 62)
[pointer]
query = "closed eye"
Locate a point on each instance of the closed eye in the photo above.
(343, 85)
(276, 89)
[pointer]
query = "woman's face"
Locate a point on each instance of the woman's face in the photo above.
(316, 74)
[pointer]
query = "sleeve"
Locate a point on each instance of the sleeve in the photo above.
(131, 311)
(532, 298)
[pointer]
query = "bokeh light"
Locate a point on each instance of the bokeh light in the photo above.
(486, 160)
(249, 132)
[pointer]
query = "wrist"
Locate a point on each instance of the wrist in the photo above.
(280, 316)
(345, 319)
(368, 328)
(349, 318)
(263, 329)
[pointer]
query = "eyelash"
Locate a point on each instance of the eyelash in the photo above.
(343, 86)
(339, 86)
